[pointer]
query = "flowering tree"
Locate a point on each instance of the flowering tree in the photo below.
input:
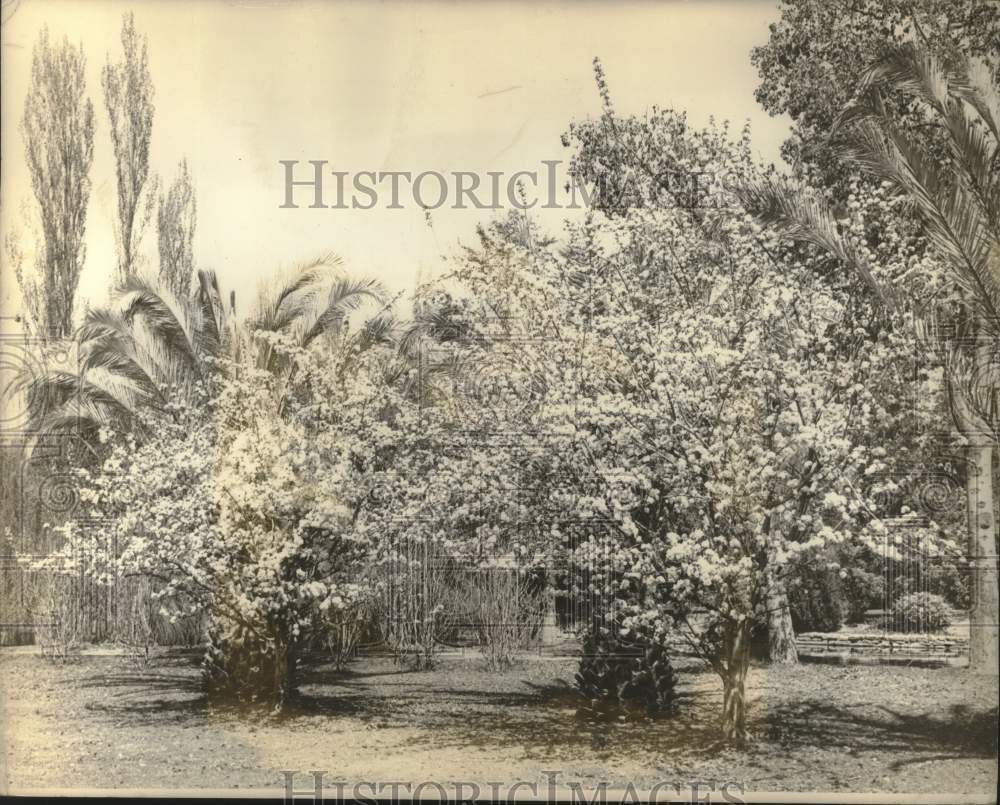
(242, 504)
(958, 221)
(715, 424)
(450, 512)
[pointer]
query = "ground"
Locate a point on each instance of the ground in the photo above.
(102, 723)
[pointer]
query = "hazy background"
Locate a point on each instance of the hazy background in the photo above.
(368, 86)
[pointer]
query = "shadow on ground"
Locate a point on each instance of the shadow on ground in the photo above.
(539, 716)
(536, 711)
(871, 727)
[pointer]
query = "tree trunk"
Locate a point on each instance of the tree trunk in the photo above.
(736, 650)
(973, 423)
(781, 649)
(285, 662)
(983, 631)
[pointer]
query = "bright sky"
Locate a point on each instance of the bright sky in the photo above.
(370, 86)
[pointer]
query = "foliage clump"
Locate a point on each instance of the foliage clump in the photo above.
(922, 612)
(626, 673)
(817, 603)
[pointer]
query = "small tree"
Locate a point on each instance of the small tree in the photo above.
(509, 612)
(239, 505)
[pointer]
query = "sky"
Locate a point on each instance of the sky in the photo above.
(378, 86)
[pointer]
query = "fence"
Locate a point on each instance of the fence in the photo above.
(40, 606)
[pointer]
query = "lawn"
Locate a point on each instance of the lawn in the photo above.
(100, 723)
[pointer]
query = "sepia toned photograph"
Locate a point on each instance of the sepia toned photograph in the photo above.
(591, 402)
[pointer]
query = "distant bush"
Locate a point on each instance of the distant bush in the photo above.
(948, 579)
(922, 611)
(863, 589)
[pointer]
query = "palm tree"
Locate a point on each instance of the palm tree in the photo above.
(959, 205)
(316, 301)
(150, 344)
(130, 354)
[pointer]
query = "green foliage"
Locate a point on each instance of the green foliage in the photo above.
(922, 611)
(627, 674)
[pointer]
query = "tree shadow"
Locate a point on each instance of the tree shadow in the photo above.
(544, 717)
(327, 675)
(164, 692)
(309, 705)
(963, 733)
(547, 717)
(140, 679)
(154, 712)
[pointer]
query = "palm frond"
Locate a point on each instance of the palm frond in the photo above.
(425, 327)
(964, 103)
(956, 224)
(801, 216)
(277, 311)
(345, 295)
(209, 334)
(977, 88)
(378, 331)
(165, 317)
(308, 275)
(107, 342)
(74, 416)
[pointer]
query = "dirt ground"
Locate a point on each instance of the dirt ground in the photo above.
(100, 723)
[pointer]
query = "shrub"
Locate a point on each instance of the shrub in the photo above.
(627, 674)
(950, 581)
(816, 602)
(508, 611)
(344, 631)
(133, 624)
(57, 629)
(861, 578)
(923, 612)
(413, 607)
(864, 589)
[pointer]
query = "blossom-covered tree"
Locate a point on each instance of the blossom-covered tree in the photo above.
(952, 292)
(200, 484)
(242, 504)
(713, 425)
